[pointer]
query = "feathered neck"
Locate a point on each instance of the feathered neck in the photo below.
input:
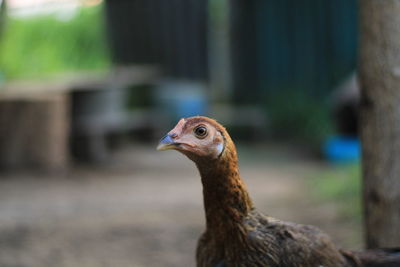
(226, 200)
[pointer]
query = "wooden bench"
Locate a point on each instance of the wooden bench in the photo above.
(39, 119)
(34, 126)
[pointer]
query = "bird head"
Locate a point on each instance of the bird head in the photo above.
(196, 137)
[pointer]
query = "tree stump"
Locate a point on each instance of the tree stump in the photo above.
(34, 132)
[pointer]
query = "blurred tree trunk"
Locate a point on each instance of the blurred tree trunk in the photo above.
(379, 70)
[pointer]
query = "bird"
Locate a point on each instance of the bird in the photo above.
(236, 234)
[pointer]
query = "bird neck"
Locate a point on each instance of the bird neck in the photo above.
(226, 200)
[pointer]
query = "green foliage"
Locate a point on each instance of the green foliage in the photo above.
(38, 46)
(341, 185)
(294, 114)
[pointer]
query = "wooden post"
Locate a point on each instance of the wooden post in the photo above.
(379, 70)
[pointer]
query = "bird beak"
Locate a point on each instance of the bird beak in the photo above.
(166, 143)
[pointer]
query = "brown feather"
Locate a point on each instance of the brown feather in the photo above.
(236, 234)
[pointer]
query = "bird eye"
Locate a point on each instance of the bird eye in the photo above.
(200, 131)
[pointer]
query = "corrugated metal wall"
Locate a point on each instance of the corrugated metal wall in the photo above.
(306, 45)
(171, 33)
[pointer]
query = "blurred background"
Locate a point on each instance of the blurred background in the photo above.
(87, 87)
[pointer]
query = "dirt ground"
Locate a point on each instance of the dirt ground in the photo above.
(144, 208)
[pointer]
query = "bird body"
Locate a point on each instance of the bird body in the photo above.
(264, 241)
(236, 234)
